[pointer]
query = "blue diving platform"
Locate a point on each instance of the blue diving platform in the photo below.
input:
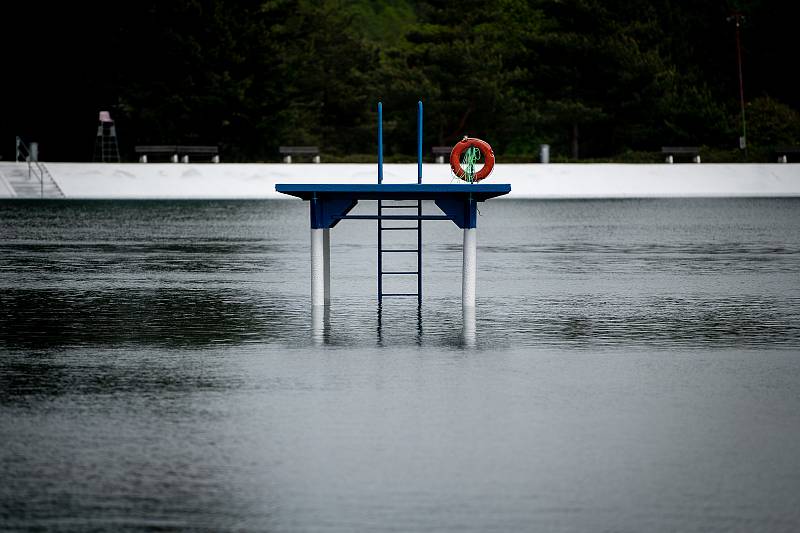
(330, 203)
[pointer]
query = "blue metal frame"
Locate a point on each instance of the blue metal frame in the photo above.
(332, 202)
(327, 212)
(395, 191)
(462, 211)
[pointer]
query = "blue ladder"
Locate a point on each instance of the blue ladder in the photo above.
(394, 250)
(402, 216)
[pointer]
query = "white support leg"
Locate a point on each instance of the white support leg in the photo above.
(469, 271)
(320, 324)
(468, 326)
(317, 267)
(326, 257)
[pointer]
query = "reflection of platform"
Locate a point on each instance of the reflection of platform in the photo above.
(331, 202)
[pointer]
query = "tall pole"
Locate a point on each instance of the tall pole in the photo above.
(380, 142)
(419, 204)
(380, 203)
(738, 18)
(419, 141)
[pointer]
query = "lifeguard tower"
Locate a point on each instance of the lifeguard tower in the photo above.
(106, 149)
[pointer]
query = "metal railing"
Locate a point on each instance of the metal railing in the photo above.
(35, 169)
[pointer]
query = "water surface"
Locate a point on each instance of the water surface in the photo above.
(634, 367)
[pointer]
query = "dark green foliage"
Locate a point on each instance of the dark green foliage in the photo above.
(595, 79)
(771, 123)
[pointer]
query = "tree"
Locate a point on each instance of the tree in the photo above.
(327, 72)
(205, 77)
(464, 61)
(600, 70)
(772, 123)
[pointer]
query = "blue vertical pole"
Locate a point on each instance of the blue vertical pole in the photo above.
(380, 204)
(419, 204)
(380, 142)
(419, 141)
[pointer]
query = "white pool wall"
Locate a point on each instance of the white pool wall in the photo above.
(178, 180)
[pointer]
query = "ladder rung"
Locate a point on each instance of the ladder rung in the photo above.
(415, 228)
(400, 251)
(400, 294)
(392, 217)
(414, 272)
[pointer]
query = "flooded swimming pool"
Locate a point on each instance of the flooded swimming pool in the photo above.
(634, 366)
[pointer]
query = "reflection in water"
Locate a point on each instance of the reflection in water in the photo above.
(182, 318)
(157, 371)
(577, 274)
(170, 317)
(401, 314)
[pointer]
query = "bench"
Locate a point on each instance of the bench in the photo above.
(174, 151)
(441, 152)
(288, 151)
(785, 154)
(673, 151)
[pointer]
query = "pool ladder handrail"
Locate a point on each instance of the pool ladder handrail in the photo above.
(418, 218)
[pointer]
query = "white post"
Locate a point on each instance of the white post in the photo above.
(317, 266)
(469, 270)
(468, 327)
(544, 153)
(326, 257)
(318, 324)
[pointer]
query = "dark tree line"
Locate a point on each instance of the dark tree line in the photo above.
(593, 78)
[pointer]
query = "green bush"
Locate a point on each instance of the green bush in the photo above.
(771, 123)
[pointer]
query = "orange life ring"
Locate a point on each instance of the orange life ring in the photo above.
(486, 151)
